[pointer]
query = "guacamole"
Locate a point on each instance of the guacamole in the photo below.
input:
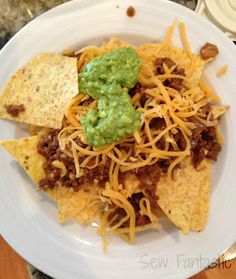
(107, 78)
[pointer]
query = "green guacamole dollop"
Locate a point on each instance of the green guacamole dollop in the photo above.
(107, 78)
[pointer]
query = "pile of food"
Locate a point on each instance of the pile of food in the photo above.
(119, 133)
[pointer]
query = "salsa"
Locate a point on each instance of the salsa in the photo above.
(107, 78)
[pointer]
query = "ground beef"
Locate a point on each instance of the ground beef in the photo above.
(209, 51)
(51, 179)
(161, 144)
(14, 110)
(180, 140)
(99, 174)
(148, 175)
(213, 150)
(196, 134)
(143, 99)
(137, 89)
(198, 154)
(204, 143)
(140, 220)
(206, 109)
(130, 11)
(164, 164)
(80, 143)
(153, 198)
(157, 123)
(159, 64)
(209, 134)
(48, 144)
(48, 147)
(175, 83)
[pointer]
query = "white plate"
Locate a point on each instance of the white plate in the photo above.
(28, 220)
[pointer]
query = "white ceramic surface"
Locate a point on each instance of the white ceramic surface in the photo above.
(28, 220)
(224, 13)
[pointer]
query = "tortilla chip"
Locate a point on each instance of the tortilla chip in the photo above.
(131, 184)
(88, 213)
(43, 87)
(200, 211)
(52, 193)
(177, 198)
(25, 153)
(81, 205)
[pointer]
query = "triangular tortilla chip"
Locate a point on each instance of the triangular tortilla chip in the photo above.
(177, 198)
(42, 89)
(81, 205)
(25, 153)
(200, 211)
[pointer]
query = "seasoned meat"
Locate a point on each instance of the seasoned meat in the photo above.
(140, 220)
(14, 110)
(100, 173)
(164, 164)
(80, 143)
(153, 198)
(213, 151)
(48, 144)
(180, 140)
(204, 143)
(161, 143)
(175, 83)
(206, 109)
(137, 89)
(143, 99)
(148, 175)
(196, 135)
(157, 123)
(209, 51)
(198, 154)
(209, 134)
(159, 64)
(48, 147)
(130, 11)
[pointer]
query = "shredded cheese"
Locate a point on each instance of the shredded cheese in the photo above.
(60, 165)
(222, 71)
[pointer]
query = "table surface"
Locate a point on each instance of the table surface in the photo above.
(13, 15)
